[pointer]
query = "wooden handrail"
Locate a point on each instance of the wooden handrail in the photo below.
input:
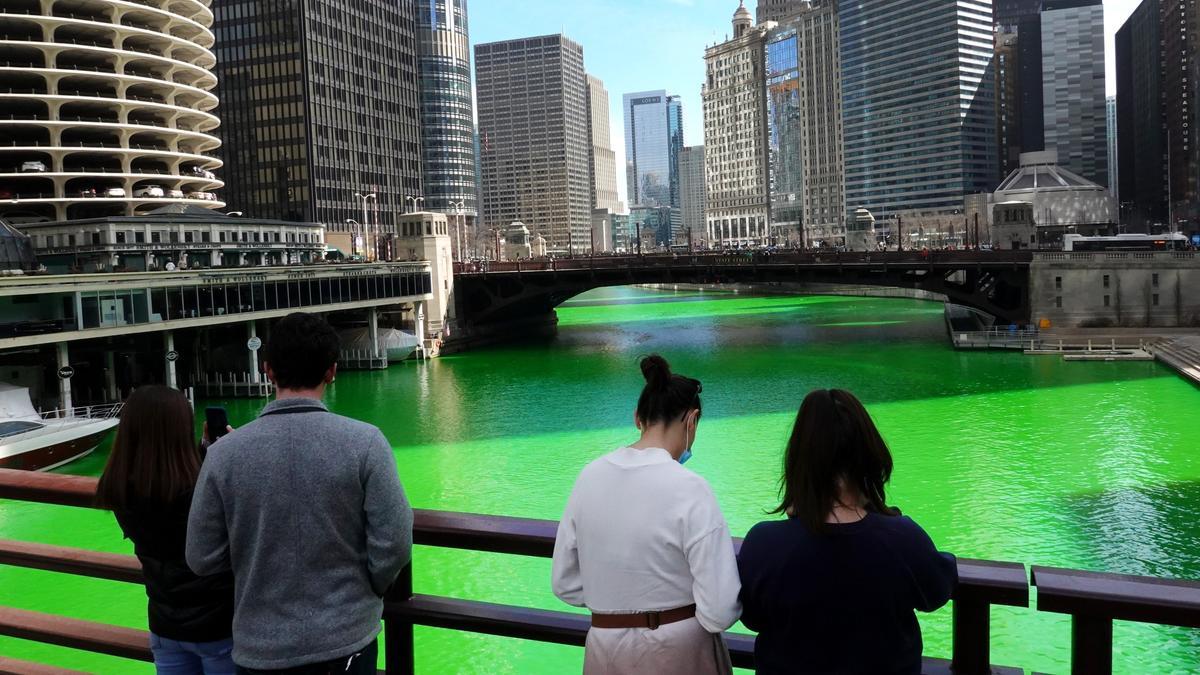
(1095, 599)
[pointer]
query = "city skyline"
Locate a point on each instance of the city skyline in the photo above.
(622, 38)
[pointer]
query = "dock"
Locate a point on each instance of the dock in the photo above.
(1182, 354)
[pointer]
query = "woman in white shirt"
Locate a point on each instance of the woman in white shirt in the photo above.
(644, 546)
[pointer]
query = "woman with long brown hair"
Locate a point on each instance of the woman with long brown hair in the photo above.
(833, 588)
(148, 484)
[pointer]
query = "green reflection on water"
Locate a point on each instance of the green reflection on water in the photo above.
(998, 455)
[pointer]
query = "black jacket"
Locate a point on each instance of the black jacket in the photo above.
(182, 606)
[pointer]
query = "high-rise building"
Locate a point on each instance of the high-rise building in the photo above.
(604, 158)
(1141, 141)
(447, 113)
(1181, 113)
(108, 110)
(1074, 116)
(1110, 108)
(1010, 13)
(653, 140)
(804, 127)
(533, 119)
(691, 192)
(778, 10)
(1008, 99)
(735, 136)
(321, 111)
(920, 124)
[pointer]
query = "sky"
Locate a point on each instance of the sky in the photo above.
(640, 45)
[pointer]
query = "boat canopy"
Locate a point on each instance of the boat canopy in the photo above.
(15, 404)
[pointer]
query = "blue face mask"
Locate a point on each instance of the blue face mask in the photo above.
(687, 454)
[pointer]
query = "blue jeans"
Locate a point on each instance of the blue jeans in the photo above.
(172, 657)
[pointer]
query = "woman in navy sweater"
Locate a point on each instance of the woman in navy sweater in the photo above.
(833, 588)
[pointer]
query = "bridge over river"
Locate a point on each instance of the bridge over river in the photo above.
(993, 282)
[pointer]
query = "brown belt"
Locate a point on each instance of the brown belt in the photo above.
(651, 620)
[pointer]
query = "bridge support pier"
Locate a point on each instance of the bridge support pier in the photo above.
(169, 344)
(252, 332)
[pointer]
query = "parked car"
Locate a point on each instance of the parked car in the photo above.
(175, 194)
(114, 192)
(33, 167)
(149, 191)
(87, 192)
(198, 195)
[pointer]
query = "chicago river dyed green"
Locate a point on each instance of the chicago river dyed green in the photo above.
(998, 455)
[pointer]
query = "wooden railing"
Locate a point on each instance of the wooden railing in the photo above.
(1093, 600)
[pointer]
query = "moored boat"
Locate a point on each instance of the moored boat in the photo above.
(34, 441)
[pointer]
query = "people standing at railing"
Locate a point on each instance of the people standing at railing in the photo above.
(833, 588)
(643, 545)
(148, 483)
(307, 509)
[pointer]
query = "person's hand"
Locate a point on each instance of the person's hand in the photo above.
(207, 440)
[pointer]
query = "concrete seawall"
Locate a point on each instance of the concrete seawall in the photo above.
(803, 289)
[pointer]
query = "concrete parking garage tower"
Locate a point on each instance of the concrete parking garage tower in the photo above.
(107, 107)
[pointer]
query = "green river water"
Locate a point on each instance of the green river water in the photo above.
(998, 455)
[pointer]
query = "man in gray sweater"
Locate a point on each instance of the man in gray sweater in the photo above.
(306, 508)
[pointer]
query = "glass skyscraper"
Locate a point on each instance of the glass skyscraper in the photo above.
(1074, 115)
(783, 131)
(447, 109)
(918, 104)
(653, 141)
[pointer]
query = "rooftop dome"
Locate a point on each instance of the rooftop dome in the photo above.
(742, 20)
(742, 12)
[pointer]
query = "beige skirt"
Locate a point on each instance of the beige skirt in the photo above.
(680, 648)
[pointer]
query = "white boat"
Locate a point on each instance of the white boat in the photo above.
(397, 344)
(34, 441)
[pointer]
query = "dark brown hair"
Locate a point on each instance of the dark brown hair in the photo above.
(154, 458)
(301, 349)
(666, 396)
(833, 439)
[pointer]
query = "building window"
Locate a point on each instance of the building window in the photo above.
(139, 237)
(1108, 301)
(1155, 299)
(1058, 302)
(1106, 281)
(205, 237)
(1058, 283)
(120, 237)
(95, 237)
(189, 237)
(156, 237)
(1155, 280)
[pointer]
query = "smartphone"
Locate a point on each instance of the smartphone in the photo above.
(218, 422)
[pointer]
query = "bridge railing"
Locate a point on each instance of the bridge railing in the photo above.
(742, 259)
(1093, 599)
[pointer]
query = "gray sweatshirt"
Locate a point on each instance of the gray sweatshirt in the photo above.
(307, 510)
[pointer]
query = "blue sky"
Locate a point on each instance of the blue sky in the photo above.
(636, 45)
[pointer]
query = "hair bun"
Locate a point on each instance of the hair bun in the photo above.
(657, 371)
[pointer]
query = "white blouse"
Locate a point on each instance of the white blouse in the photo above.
(643, 533)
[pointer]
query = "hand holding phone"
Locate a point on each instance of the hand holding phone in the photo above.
(216, 424)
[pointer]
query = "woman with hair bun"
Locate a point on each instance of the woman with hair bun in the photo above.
(643, 545)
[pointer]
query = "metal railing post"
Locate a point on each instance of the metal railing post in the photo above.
(398, 633)
(971, 647)
(1091, 645)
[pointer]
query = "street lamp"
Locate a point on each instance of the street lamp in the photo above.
(235, 213)
(355, 238)
(459, 226)
(366, 220)
(414, 200)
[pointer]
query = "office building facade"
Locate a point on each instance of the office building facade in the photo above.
(735, 137)
(778, 10)
(447, 113)
(919, 123)
(1074, 113)
(1008, 99)
(692, 193)
(320, 102)
(1141, 138)
(604, 158)
(1110, 109)
(533, 121)
(1010, 13)
(653, 141)
(1181, 114)
(804, 128)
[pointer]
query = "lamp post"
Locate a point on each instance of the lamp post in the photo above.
(458, 227)
(355, 238)
(414, 201)
(366, 221)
